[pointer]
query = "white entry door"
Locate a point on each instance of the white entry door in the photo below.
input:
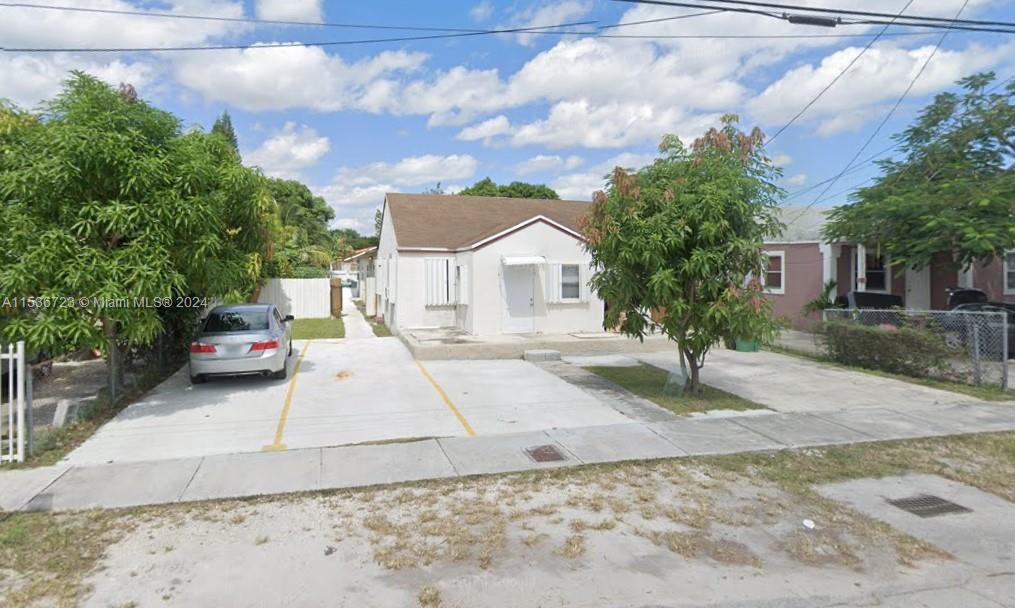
(918, 288)
(519, 300)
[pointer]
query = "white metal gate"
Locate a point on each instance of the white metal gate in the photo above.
(12, 403)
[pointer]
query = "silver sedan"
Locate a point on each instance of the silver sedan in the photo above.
(242, 339)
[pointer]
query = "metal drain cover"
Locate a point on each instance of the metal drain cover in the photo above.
(928, 505)
(545, 453)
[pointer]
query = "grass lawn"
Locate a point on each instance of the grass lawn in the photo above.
(647, 381)
(306, 329)
(986, 393)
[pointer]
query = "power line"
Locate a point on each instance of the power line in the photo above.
(833, 11)
(766, 36)
(109, 11)
(922, 22)
(838, 76)
(675, 18)
(888, 116)
(271, 45)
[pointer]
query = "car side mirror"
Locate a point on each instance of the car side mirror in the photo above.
(288, 318)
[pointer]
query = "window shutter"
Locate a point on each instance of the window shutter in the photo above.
(584, 275)
(439, 281)
(463, 284)
(553, 287)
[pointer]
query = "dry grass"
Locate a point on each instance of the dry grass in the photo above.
(728, 510)
(429, 597)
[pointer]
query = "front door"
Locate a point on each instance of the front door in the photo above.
(918, 288)
(519, 300)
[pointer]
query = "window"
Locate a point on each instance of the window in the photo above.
(228, 321)
(775, 274)
(1009, 272)
(877, 273)
(570, 282)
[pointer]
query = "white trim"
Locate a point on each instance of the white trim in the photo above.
(480, 243)
(522, 260)
(531, 220)
(766, 243)
(781, 290)
(1009, 290)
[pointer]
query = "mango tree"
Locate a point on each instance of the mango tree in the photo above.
(675, 244)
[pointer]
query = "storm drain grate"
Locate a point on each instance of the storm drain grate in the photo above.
(927, 505)
(544, 453)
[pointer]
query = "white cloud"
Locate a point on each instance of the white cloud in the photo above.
(882, 74)
(289, 151)
(796, 180)
(30, 27)
(580, 186)
(782, 160)
(357, 191)
(482, 11)
(290, 10)
(411, 171)
(610, 125)
(299, 76)
(486, 130)
(543, 162)
(552, 13)
(28, 79)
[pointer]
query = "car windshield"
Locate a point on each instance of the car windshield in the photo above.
(236, 321)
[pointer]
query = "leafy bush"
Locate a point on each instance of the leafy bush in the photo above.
(914, 351)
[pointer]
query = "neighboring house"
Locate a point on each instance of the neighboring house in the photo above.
(485, 265)
(361, 265)
(800, 263)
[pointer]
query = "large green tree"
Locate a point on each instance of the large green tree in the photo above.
(304, 245)
(952, 190)
(487, 187)
(103, 197)
(674, 243)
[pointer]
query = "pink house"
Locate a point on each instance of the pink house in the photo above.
(800, 263)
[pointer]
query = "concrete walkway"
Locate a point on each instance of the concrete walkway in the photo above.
(65, 487)
(356, 327)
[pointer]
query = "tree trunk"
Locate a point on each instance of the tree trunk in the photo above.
(693, 366)
(114, 365)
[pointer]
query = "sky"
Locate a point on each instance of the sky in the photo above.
(354, 121)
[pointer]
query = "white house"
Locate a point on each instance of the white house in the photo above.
(485, 265)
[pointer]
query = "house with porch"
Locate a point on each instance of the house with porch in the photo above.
(485, 265)
(801, 262)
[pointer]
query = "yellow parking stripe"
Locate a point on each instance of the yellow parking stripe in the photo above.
(280, 430)
(447, 400)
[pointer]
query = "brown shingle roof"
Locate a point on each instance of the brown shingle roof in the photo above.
(453, 222)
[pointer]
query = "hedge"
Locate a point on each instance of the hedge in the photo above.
(918, 352)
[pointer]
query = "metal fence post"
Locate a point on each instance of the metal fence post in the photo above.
(1004, 351)
(977, 371)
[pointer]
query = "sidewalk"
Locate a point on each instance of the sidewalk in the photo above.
(65, 487)
(356, 327)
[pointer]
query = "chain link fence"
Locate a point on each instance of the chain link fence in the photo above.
(961, 346)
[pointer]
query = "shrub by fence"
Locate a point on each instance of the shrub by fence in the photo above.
(970, 347)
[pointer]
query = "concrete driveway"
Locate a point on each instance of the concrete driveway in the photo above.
(344, 392)
(791, 384)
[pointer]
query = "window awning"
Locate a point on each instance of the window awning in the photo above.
(523, 260)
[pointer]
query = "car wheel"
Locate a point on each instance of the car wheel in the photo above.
(198, 379)
(281, 374)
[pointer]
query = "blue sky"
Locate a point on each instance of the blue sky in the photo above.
(355, 121)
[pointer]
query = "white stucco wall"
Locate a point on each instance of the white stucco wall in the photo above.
(386, 270)
(411, 308)
(487, 285)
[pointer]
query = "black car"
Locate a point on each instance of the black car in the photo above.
(1008, 309)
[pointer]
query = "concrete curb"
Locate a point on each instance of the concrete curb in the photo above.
(255, 474)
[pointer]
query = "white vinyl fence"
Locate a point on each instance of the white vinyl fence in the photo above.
(301, 298)
(12, 403)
